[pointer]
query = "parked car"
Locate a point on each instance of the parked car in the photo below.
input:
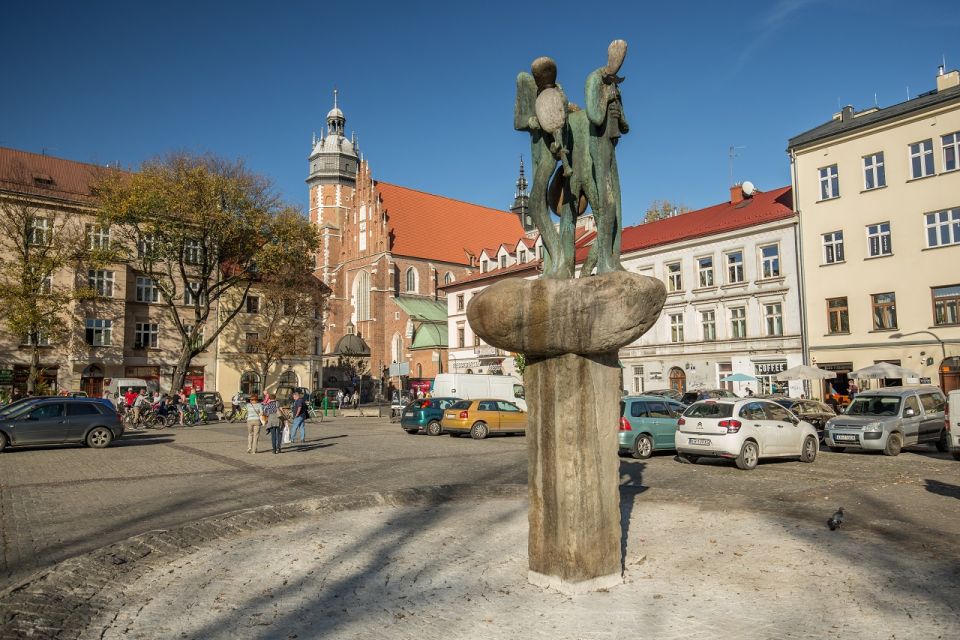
(211, 402)
(425, 415)
(889, 419)
(951, 422)
(812, 411)
(60, 420)
(481, 418)
(744, 430)
(690, 397)
(673, 394)
(284, 395)
(647, 423)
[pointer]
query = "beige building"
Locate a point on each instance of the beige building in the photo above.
(878, 197)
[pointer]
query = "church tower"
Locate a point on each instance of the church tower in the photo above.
(521, 202)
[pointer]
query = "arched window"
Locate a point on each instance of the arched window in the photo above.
(289, 379)
(448, 277)
(361, 296)
(419, 370)
(249, 383)
(396, 348)
(678, 379)
(91, 381)
(412, 280)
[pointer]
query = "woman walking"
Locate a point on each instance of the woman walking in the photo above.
(274, 422)
(254, 420)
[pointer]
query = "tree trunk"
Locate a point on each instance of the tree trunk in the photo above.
(180, 371)
(34, 375)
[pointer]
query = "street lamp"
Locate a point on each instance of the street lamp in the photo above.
(943, 347)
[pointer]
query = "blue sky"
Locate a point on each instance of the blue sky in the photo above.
(428, 86)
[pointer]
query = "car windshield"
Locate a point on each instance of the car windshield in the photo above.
(874, 406)
(709, 410)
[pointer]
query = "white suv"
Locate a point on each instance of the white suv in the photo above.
(744, 430)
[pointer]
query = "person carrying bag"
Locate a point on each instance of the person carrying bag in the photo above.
(273, 420)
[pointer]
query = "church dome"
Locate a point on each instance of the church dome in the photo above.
(352, 345)
(335, 113)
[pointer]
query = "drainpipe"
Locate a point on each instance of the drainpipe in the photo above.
(798, 246)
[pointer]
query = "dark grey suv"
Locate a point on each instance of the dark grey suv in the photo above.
(59, 420)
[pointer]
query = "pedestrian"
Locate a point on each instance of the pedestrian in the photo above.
(235, 403)
(833, 401)
(255, 419)
(339, 398)
(108, 397)
(356, 398)
(299, 412)
(749, 392)
(192, 401)
(274, 422)
(176, 405)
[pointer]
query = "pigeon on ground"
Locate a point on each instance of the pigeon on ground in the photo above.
(836, 520)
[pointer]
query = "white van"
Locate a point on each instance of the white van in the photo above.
(952, 419)
(119, 386)
(471, 386)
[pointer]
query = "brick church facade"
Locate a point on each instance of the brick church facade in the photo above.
(385, 251)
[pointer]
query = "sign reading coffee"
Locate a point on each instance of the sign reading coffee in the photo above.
(770, 368)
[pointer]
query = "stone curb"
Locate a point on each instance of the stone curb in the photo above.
(60, 602)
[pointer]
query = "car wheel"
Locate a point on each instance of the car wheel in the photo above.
(642, 447)
(434, 428)
(479, 431)
(809, 451)
(894, 444)
(943, 444)
(956, 454)
(99, 437)
(687, 458)
(411, 431)
(3, 441)
(838, 449)
(749, 456)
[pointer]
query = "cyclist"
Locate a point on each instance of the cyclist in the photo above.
(235, 403)
(192, 400)
(139, 404)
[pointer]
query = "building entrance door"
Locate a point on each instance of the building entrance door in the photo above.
(91, 381)
(678, 380)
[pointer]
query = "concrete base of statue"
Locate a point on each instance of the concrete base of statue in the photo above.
(570, 332)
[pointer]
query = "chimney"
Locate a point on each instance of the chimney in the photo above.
(947, 80)
(736, 194)
(846, 114)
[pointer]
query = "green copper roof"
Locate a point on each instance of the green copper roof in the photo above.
(429, 321)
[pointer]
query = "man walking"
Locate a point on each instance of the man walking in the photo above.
(299, 412)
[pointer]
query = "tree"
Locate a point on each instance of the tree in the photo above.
(519, 363)
(660, 209)
(203, 229)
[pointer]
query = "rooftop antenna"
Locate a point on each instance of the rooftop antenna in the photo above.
(875, 103)
(908, 92)
(731, 154)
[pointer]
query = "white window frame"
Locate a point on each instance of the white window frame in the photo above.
(773, 318)
(192, 252)
(735, 270)
(146, 245)
(950, 144)
(676, 327)
(674, 278)
(192, 294)
(97, 236)
(705, 271)
(461, 303)
(147, 290)
(770, 267)
(41, 232)
(708, 324)
(411, 276)
(102, 332)
(829, 182)
(876, 236)
(833, 247)
(46, 286)
(43, 340)
(523, 256)
(922, 152)
(638, 379)
(738, 322)
(946, 222)
(102, 281)
(873, 170)
(146, 334)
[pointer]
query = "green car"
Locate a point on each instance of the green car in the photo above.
(425, 415)
(647, 424)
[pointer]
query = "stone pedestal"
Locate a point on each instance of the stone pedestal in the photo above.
(571, 331)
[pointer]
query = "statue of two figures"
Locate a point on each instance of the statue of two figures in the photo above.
(583, 142)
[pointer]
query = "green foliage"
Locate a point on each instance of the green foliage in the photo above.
(520, 362)
(660, 209)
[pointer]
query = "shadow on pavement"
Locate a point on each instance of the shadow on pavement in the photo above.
(631, 485)
(943, 489)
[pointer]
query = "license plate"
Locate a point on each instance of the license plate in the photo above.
(703, 442)
(845, 437)
(408, 413)
(451, 415)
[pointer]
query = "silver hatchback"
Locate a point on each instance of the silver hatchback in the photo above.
(889, 419)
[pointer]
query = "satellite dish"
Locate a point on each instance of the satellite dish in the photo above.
(748, 188)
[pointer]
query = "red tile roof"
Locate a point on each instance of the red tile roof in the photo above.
(763, 207)
(424, 225)
(25, 172)
(518, 270)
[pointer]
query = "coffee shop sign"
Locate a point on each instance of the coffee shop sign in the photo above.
(770, 368)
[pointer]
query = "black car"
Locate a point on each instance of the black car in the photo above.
(816, 413)
(706, 394)
(58, 420)
(211, 402)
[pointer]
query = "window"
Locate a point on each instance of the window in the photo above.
(878, 239)
(833, 247)
(658, 409)
(101, 282)
(943, 227)
(884, 311)
(946, 305)
(250, 343)
(447, 277)
(776, 412)
(188, 329)
(476, 340)
(951, 151)
(147, 290)
(361, 295)
(503, 261)
(459, 302)
(40, 338)
(147, 246)
(770, 261)
(638, 379)
(99, 332)
(146, 335)
(46, 286)
(192, 252)
(773, 317)
(484, 266)
(193, 295)
(829, 183)
(921, 159)
(705, 271)
(676, 327)
(411, 280)
(540, 251)
(40, 232)
(253, 304)
(838, 315)
(708, 319)
(734, 267)
(674, 279)
(523, 256)
(738, 322)
(82, 409)
(933, 402)
(873, 173)
(461, 336)
(98, 237)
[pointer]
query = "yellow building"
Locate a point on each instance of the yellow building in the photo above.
(878, 197)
